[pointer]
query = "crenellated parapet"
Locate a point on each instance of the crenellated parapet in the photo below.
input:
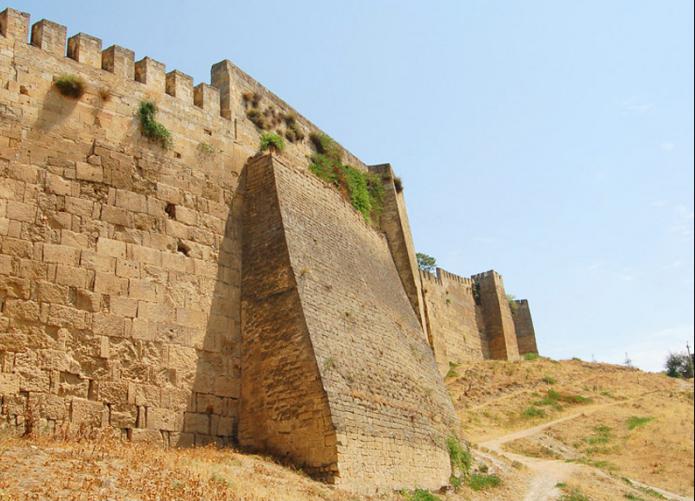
(225, 97)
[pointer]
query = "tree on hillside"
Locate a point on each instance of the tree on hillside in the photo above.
(679, 365)
(426, 262)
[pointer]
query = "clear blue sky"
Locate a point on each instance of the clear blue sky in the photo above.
(550, 140)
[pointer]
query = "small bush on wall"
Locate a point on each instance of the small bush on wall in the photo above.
(364, 190)
(272, 142)
(70, 86)
(152, 129)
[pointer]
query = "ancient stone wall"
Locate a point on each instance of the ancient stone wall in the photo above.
(523, 326)
(119, 261)
(455, 321)
(499, 325)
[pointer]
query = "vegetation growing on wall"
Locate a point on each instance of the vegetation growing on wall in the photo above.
(151, 128)
(364, 190)
(268, 118)
(426, 262)
(271, 142)
(70, 86)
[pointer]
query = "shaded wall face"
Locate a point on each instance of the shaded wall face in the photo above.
(523, 325)
(119, 261)
(455, 321)
(284, 409)
(499, 325)
(389, 407)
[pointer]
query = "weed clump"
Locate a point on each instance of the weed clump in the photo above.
(151, 128)
(482, 481)
(420, 495)
(533, 412)
(531, 356)
(272, 142)
(364, 190)
(637, 421)
(461, 461)
(70, 86)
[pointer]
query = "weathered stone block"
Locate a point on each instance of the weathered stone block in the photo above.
(85, 49)
(119, 61)
(151, 73)
(14, 25)
(180, 86)
(49, 36)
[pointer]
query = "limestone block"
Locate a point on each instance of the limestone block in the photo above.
(123, 306)
(110, 247)
(164, 419)
(105, 324)
(207, 97)
(108, 283)
(147, 436)
(119, 61)
(87, 300)
(9, 384)
(72, 276)
(85, 49)
(197, 423)
(21, 211)
(88, 172)
(49, 36)
(58, 185)
(87, 412)
(180, 86)
(14, 25)
(61, 254)
(151, 73)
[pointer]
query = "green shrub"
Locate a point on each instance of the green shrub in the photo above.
(602, 435)
(481, 481)
(364, 190)
(460, 457)
(531, 356)
(420, 495)
(680, 365)
(549, 380)
(324, 145)
(637, 421)
(533, 412)
(152, 129)
(70, 86)
(398, 184)
(426, 262)
(271, 142)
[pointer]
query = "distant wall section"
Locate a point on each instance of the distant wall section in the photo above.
(455, 321)
(523, 325)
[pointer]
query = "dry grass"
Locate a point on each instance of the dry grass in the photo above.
(647, 435)
(41, 468)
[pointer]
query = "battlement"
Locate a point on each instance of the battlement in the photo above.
(223, 97)
(487, 275)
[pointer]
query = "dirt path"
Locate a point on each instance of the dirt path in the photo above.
(547, 473)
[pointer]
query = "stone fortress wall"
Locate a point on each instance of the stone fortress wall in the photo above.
(204, 294)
